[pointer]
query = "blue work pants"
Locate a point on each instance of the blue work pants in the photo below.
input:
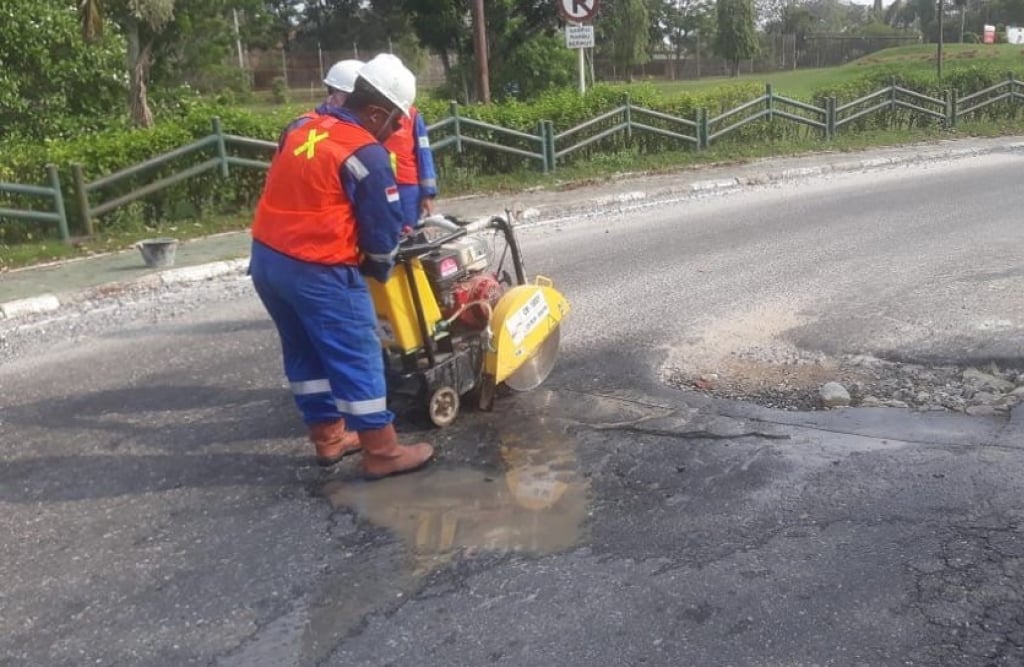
(328, 329)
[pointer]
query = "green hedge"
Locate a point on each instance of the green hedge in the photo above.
(109, 151)
(960, 80)
(566, 109)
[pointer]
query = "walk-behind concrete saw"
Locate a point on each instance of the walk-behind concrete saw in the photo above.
(456, 325)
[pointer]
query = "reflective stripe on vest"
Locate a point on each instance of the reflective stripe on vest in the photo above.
(402, 146)
(304, 211)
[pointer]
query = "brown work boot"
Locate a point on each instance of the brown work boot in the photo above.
(333, 442)
(383, 456)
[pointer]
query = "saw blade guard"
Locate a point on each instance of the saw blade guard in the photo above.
(525, 335)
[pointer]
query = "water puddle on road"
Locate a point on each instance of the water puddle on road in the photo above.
(536, 504)
(534, 501)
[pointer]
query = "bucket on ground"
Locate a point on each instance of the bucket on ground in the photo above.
(158, 252)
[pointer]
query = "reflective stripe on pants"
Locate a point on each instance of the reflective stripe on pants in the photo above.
(325, 319)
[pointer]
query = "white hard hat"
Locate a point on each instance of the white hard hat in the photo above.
(389, 77)
(342, 75)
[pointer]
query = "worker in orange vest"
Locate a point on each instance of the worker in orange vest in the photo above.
(413, 161)
(328, 215)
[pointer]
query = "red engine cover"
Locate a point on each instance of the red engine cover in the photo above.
(481, 287)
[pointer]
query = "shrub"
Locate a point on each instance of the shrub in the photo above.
(186, 119)
(279, 90)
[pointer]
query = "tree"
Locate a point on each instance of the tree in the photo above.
(735, 39)
(541, 63)
(688, 23)
(272, 22)
(51, 81)
(837, 16)
(630, 34)
(199, 46)
(140, 22)
(444, 27)
(796, 20)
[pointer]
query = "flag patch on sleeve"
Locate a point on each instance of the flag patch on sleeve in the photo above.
(392, 194)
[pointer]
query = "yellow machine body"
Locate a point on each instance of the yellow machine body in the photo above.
(397, 318)
(524, 318)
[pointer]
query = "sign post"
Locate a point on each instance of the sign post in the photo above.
(579, 35)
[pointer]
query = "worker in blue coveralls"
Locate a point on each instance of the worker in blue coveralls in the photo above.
(413, 162)
(328, 215)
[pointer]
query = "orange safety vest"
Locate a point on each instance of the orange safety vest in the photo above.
(304, 212)
(402, 146)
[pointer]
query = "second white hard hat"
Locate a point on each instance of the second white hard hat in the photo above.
(342, 75)
(392, 79)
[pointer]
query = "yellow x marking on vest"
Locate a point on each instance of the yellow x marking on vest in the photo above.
(309, 148)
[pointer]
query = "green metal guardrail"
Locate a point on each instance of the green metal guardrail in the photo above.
(1011, 89)
(458, 137)
(53, 192)
(828, 118)
(543, 147)
(222, 161)
(628, 124)
(889, 99)
(770, 103)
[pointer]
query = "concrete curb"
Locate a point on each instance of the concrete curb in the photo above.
(622, 202)
(46, 303)
(43, 303)
(529, 217)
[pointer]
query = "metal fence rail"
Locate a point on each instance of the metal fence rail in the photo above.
(53, 193)
(456, 125)
(607, 132)
(628, 124)
(769, 107)
(1011, 89)
(685, 122)
(842, 108)
(222, 161)
(457, 132)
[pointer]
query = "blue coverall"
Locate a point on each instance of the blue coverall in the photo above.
(324, 314)
(413, 195)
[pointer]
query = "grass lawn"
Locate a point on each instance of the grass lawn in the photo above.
(802, 83)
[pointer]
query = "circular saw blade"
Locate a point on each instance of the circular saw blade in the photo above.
(537, 368)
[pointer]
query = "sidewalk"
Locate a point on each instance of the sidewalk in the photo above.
(46, 288)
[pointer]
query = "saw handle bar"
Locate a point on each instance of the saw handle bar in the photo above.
(406, 252)
(458, 228)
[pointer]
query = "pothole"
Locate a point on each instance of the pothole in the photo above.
(795, 383)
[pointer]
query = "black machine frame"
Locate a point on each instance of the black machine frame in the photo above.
(448, 366)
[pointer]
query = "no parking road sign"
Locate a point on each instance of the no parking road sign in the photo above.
(578, 10)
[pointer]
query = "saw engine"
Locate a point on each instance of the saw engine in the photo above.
(466, 291)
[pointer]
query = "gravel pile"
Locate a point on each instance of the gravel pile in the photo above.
(862, 381)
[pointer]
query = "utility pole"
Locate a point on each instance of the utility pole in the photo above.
(940, 41)
(480, 51)
(698, 53)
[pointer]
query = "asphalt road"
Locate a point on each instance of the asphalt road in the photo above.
(160, 507)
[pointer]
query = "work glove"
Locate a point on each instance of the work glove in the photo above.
(379, 271)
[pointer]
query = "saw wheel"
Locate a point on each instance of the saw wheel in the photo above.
(443, 406)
